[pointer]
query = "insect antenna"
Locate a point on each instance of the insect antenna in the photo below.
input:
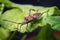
(45, 11)
(14, 22)
(11, 21)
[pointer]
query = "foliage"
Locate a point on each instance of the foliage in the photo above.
(46, 33)
(17, 14)
(54, 21)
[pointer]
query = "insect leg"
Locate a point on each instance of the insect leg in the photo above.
(27, 27)
(30, 11)
(17, 26)
(37, 10)
(21, 26)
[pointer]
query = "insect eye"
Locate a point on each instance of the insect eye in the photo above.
(26, 19)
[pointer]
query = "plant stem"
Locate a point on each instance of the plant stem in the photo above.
(12, 35)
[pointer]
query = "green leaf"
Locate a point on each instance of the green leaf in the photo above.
(1, 10)
(7, 3)
(3, 34)
(56, 27)
(56, 12)
(18, 16)
(42, 20)
(14, 15)
(10, 4)
(54, 21)
(46, 33)
(47, 14)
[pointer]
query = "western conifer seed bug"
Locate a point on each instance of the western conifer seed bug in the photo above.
(29, 18)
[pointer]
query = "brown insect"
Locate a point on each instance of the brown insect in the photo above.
(30, 17)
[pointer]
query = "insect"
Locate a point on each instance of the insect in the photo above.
(30, 17)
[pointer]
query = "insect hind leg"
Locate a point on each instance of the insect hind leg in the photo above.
(26, 27)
